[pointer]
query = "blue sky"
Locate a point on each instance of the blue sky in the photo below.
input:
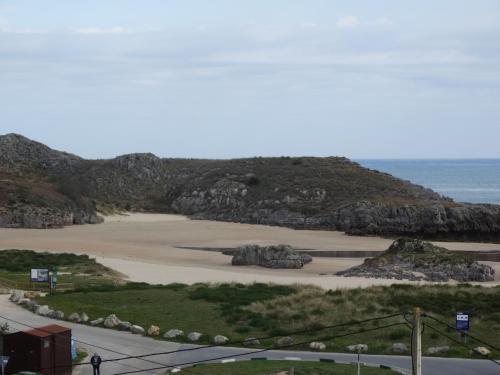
(220, 78)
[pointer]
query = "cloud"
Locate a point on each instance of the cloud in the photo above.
(102, 30)
(348, 22)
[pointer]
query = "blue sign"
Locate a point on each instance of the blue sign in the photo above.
(462, 321)
(39, 275)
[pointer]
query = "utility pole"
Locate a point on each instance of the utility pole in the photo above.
(416, 342)
(359, 366)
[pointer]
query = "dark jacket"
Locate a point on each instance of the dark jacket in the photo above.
(95, 360)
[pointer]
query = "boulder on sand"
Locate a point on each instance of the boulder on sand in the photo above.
(281, 256)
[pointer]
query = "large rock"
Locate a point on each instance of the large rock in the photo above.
(413, 259)
(154, 331)
(124, 326)
(16, 296)
(84, 318)
(74, 317)
(281, 256)
(111, 321)
(194, 336)
(251, 341)
(173, 333)
(284, 341)
(357, 348)
(220, 340)
(44, 310)
(438, 350)
(97, 322)
(58, 314)
(399, 348)
(316, 345)
(482, 350)
(138, 330)
(24, 301)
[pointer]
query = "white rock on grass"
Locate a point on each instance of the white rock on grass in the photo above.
(97, 322)
(74, 317)
(111, 321)
(43, 310)
(124, 326)
(16, 295)
(194, 336)
(137, 330)
(357, 348)
(173, 333)
(284, 341)
(251, 341)
(399, 347)
(316, 345)
(220, 340)
(84, 318)
(482, 350)
(438, 349)
(154, 331)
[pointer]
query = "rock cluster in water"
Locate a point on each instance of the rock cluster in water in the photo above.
(408, 259)
(281, 256)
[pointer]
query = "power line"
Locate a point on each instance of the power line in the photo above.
(465, 333)
(307, 331)
(266, 350)
(81, 342)
(461, 343)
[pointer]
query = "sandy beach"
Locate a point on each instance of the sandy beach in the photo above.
(147, 247)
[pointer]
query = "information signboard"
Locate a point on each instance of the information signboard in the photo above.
(462, 321)
(39, 275)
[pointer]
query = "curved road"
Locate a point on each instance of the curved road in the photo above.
(124, 342)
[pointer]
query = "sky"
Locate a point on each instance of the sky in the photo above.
(226, 78)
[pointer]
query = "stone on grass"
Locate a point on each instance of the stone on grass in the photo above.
(58, 314)
(16, 295)
(438, 350)
(111, 321)
(32, 306)
(43, 310)
(251, 341)
(154, 331)
(194, 336)
(316, 345)
(399, 347)
(284, 341)
(220, 340)
(137, 330)
(84, 318)
(23, 301)
(482, 350)
(74, 317)
(357, 348)
(97, 322)
(173, 333)
(124, 326)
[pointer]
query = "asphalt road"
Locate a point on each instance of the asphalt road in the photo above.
(116, 342)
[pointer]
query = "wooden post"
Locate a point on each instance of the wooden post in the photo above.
(416, 343)
(292, 371)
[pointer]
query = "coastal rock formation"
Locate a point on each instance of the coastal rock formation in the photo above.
(281, 256)
(408, 259)
(45, 188)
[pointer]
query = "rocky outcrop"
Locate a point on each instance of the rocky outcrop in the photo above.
(408, 259)
(45, 188)
(281, 256)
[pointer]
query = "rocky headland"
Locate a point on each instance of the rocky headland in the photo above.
(45, 188)
(280, 256)
(408, 259)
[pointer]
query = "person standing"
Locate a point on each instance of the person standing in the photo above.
(96, 363)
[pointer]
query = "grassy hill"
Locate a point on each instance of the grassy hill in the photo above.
(299, 192)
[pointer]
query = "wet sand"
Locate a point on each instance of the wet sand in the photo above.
(146, 248)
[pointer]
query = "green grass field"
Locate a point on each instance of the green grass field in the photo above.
(241, 311)
(274, 367)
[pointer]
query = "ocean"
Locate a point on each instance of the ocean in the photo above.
(467, 180)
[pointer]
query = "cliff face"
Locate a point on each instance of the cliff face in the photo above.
(315, 193)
